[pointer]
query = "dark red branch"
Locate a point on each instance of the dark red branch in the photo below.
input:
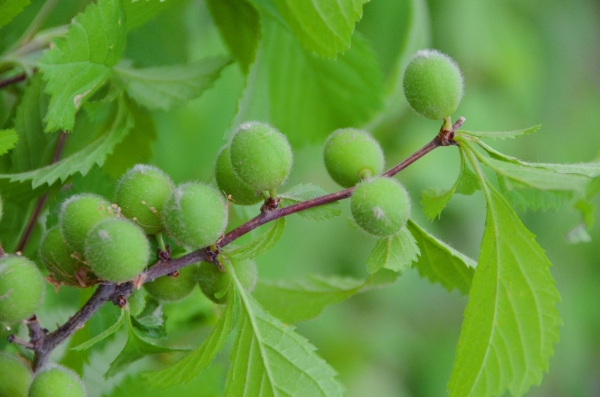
(12, 80)
(43, 343)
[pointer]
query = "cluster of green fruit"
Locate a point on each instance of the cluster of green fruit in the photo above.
(17, 380)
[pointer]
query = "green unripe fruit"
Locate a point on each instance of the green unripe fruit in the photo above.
(64, 266)
(195, 214)
(433, 84)
(15, 376)
(351, 155)
(230, 184)
(56, 381)
(117, 250)
(260, 156)
(214, 282)
(380, 206)
(171, 289)
(141, 194)
(21, 288)
(79, 214)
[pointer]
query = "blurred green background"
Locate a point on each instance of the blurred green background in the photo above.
(524, 63)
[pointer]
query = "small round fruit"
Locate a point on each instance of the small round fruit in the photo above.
(195, 214)
(64, 266)
(380, 206)
(56, 381)
(230, 184)
(15, 376)
(79, 214)
(260, 156)
(21, 288)
(433, 84)
(214, 282)
(171, 289)
(117, 250)
(351, 155)
(141, 194)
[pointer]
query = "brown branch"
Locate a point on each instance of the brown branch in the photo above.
(39, 206)
(43, 343)
(12, 80)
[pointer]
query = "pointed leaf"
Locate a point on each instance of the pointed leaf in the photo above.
(395, 252)
(324, 27)
(194, 363)
(149, 329)
(106, 333)
(503, 134)
(82, 161)
(239, 25)
(163, 87)
(261, 244)
(441, 263)
(511, 322)
(135, 349)
(35, 148)
(78, 64)
(8, 139)
(285, 84)
(10, 9)
(309, 191)
(293, 301)
(270, 359)
(139, 12)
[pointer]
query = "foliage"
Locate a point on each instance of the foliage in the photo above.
(97, 99)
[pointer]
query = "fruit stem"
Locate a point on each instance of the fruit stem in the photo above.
(273, 193)
(447, 126)
(160, 241)
(365, 173)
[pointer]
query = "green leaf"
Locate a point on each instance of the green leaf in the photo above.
(109, 331)
(435, 199)
(322, 26)
(301, 299)
(83, 160)
(270, 359)
(395, 252)
(139, 12)
(135, 349)
(163, 87)
(35, 148)
(10, 9)
(141, 137)
(78, 64)
(441, 263)
(503, 134)
(537, 178)
(8, 139)
(511, 322)
(261, 244)
(149, 329)
(309, 191)
(239, 25)
(194, 363)
(285, 84)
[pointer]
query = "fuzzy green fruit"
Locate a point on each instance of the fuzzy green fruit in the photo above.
(380, 206)
(56, 381)
(351, 155)
(230, 184)
(141, 194)
(171, 289)
(21, 288)
(79, 214)
(195, 214)
(117, 250)
(15, 376)
(64, 266)
(261, 156)
(214, 282)
(433, 84)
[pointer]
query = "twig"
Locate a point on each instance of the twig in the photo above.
(43, 344)
(12, 80)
